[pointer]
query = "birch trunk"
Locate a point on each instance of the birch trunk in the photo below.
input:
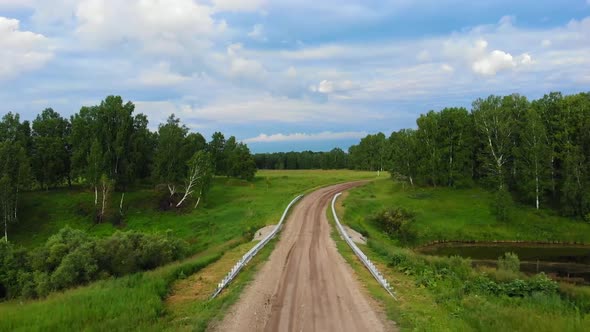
(95, 195)
(121, 204)
(199, 199)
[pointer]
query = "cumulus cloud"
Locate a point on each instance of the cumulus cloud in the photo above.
(160, 75)
(489, 63)
(242, 67)
(299, 137)
(21, 51)
(161, 26)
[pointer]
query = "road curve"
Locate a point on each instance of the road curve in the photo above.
(305, 285)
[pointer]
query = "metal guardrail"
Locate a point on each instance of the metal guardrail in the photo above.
(370, 266)
(252, 252)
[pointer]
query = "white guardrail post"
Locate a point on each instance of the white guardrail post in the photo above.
(252, 252)
(370, 266)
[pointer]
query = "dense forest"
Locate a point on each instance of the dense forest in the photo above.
(108, 148)
(334, 159)
(537, 152)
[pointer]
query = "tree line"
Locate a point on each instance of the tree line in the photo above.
(109, 148)
(537, 152)
(334, 159)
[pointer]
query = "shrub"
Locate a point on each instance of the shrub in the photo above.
(70, 258)
(396, 222)
(509, 262)
(502, 205)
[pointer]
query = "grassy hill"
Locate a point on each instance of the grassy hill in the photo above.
(460, 215)
(233, 208)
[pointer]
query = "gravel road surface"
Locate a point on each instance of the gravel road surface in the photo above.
(306, 285)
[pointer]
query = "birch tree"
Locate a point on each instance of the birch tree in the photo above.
(456, 144)
(495, 129)
(428, 134)
(169, 159)
(535, 155)
(403, 154)
(198, 179)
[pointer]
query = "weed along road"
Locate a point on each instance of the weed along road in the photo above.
(306, 285)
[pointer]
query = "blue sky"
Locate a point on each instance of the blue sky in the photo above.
(289, 74)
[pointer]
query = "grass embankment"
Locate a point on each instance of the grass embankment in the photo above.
(175, 296)
(447, 294)
(232, 208)
(443, 214)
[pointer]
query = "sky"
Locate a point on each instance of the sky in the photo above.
(288, 74)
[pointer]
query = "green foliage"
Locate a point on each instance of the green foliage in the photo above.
(509, 262)
(71, 258)
(502, 205)
(334, 159)
(396, 222)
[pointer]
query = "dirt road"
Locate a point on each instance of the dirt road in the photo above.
(306, 285)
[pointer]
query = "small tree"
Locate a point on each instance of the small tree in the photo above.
(199, 176)
(509, 262)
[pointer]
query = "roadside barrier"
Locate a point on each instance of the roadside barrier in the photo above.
(252, 252)
(368, 264)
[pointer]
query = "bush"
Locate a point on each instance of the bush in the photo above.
(502, 205)
(396, 222)
(509, 262)
(70, 258)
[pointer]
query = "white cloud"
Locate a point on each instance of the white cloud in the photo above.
(256, 109)
(242, 67)
(238, 5)
(160, 75)
(489, 63)
(447, 68)
(169, 26)
(327, 86)
(299, 137)
(257, 33)
(21, 51)
(547, 42)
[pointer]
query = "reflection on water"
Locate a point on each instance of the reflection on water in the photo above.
(560, 261)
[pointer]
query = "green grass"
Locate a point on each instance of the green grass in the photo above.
(133, 302)
(232, 208)
(442, 305)
(218, 230)
(443, 214)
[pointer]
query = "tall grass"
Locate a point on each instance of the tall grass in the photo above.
(133, 302)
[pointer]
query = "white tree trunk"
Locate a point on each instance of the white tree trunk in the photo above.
(537, 190)
(105, 191)
(172, 190)
(191, 182)
(198, 199)
(95, 195)
(121, 204)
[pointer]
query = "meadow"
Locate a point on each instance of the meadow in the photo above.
(445, 214)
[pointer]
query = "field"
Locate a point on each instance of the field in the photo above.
(431, 291)
(461, 215)
(174, 296)
(232, 209)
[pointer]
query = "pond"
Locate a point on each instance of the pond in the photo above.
(563, 262)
